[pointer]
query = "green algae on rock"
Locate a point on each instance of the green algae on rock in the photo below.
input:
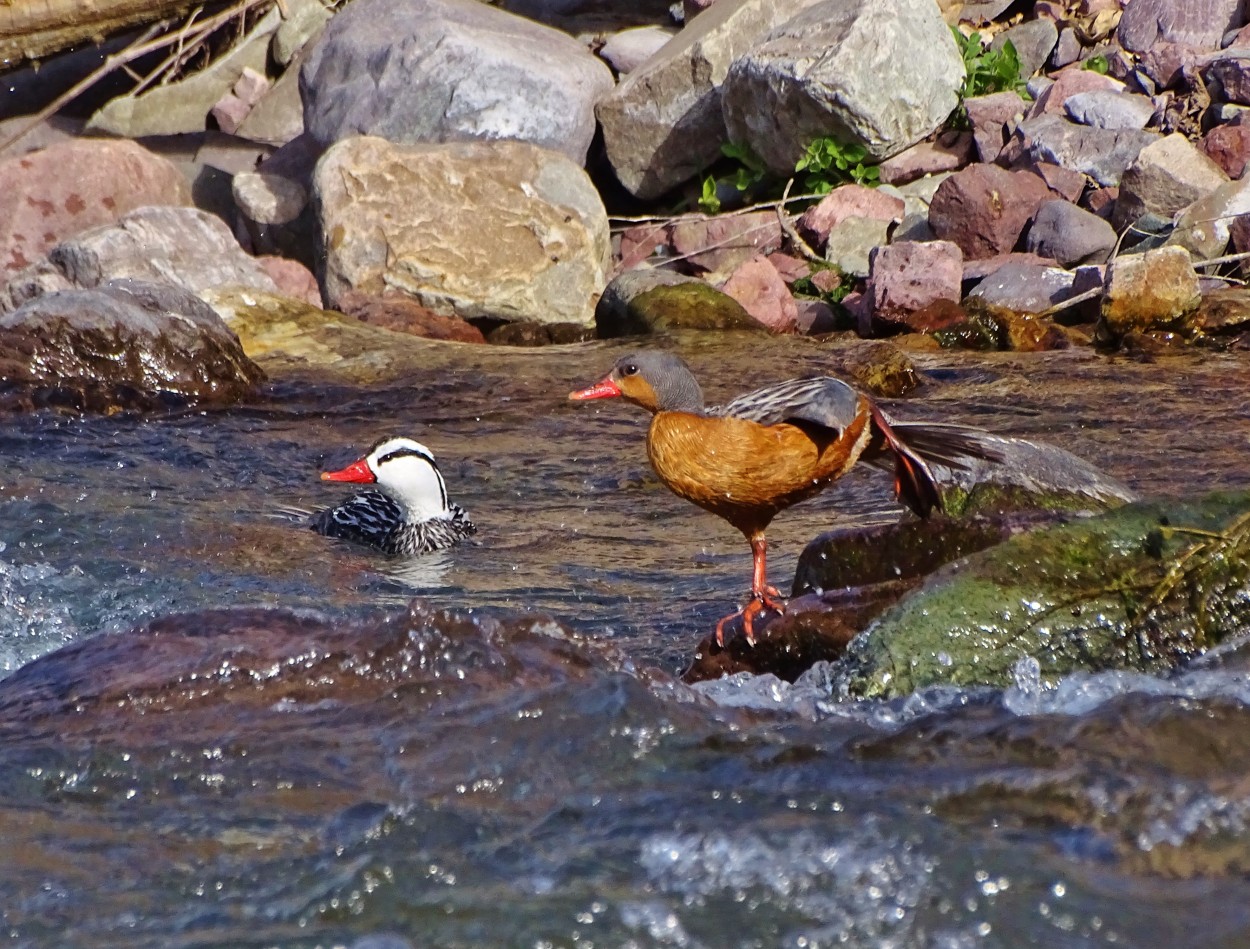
(1143, 587)
(638, 304)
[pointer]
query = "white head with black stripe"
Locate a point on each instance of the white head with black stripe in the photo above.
(404, 469)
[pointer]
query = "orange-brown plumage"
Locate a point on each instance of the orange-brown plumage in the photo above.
(754, 457)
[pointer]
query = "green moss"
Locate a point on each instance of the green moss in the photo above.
(1142, 587)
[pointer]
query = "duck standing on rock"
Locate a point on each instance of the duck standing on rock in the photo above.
(752, 458)
(407, 515)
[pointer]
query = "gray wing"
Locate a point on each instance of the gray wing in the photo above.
(822, 400)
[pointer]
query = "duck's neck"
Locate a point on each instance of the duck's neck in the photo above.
(680, 394)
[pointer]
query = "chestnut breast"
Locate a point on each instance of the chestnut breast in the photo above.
(747, 472)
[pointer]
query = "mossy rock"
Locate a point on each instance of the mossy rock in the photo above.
(1143, 587)
(637, 304)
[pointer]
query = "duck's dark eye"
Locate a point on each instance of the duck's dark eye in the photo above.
(629, 369)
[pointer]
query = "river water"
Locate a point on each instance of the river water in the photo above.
(488, 746)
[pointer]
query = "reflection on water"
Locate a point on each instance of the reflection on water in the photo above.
(529, 791)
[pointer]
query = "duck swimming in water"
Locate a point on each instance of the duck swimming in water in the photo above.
(408, 513)
(752, 458)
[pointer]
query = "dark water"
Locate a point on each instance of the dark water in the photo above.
(522, 770)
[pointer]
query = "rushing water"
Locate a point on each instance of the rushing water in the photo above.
(532, 775)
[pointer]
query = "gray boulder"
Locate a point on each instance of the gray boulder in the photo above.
(428, 71)
(878, 75)
(662, 125)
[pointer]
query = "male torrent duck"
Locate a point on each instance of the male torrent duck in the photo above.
(409, 515)
(752, 458)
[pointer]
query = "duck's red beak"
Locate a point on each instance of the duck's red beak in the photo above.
(604, 389)
(357, 472)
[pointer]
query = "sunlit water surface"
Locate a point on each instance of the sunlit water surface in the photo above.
(609, 807)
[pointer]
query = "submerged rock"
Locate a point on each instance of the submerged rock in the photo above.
(650, 301)
(1144, 587)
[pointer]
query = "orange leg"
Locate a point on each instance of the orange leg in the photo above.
(763, 597)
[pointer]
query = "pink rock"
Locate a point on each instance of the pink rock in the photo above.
(984, 208)
(251, 86)
(229, 112)
(1102, 201)
(722, 243)
(791, 268)
(976, 270)
(293, 279)
(951, 150)
(394, 311)
(640, 242)
(763, 293)
(1065, 182)
(848, 201)
(815, 317)
(994, 118)
(1068, 82)
(1229, 147)
(53, 194)
(908, 276)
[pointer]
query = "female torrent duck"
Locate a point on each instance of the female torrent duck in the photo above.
(752, 458)
(407, 515)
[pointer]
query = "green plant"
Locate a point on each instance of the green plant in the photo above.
(988, 70)
(1098, 64)
(829, 163)
(749, 175)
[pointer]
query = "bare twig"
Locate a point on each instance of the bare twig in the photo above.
(699, 215)
(1072, 301)
(791, 232)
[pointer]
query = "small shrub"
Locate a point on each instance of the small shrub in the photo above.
(988, 70)
(830, 163)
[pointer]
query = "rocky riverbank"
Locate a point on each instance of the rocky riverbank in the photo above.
(356, 188)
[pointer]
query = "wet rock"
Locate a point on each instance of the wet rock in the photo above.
(51, 194)
(498, 230)
(1204, 228)
(183, 247)
(949, 151)
(650, 301)
(763, 293)
(289, 337)
(815, 317)
(1157, 289)
(402, 314)
(539, 334)
(993, 118)
(1144, 587)
(879, 77)
(1070, 235)
(1225, 311)
(907, 277)
(1107, 109)
(662, 124)
(627, 50)
(845, 201)
(1166, 176)
(1103, 154)
(1202, 24)
(984, 209)
(125, 344)
(483, 74)
(184, 106)
(1022, 332)
(720, 244)
(880, 368)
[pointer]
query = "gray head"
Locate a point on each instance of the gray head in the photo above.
(658, 381)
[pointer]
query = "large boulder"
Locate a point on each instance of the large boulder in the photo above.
(182, 247)
(662, 125)
(126, 344)
(426, 71)
(878, 75)
(49, 195)
(497, 230)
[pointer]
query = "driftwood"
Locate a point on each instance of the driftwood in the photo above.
(34, 29)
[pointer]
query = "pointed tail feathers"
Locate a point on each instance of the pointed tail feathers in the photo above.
(911, 447)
